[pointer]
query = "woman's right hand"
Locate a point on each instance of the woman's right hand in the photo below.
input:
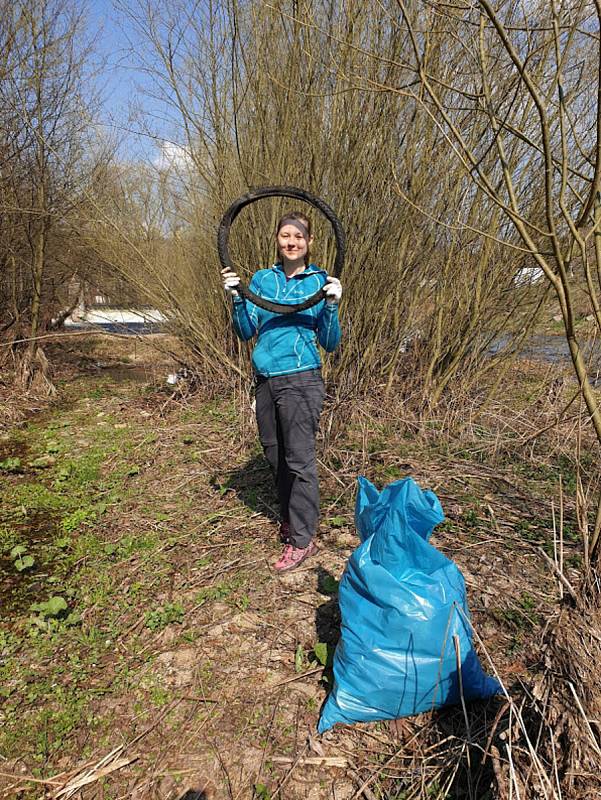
(230, 281)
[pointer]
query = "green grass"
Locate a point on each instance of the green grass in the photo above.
(168, 614)
(50, 665)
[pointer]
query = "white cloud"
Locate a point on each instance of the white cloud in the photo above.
(173, 157)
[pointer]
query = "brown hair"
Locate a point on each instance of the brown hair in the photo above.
(295, 216)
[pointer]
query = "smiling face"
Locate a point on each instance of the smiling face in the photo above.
(294, 240)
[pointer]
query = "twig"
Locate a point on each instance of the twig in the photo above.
(586, 720)
(513, 708)
(512, 773)
(494, 726)
(457, 645)
(168, 709)
(498, 772)
(333, 474)
(366, 791)
(197, 698)
(110, 763)
(29, 779)
(296, 677)
(560, 575)
(188, 480)
(313, 761)
(361, 790)
(555, 769)
(286, 777)
(555, 557)
(267, 738)
(65, 335)
(553, 424)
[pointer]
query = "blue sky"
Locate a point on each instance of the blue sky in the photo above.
(122, 81)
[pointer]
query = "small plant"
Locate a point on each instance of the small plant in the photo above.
(526, 531)
(52, 607)
(72, 521)
(527, 602)
(470, 518)
(63, 474)
(11, 464)
(161, 617)
(521, 618)
(218, 592)
(50, 616)
(222, 487)
(261, 792)
(63, 542)
(299, 658)
(393, 472)
(324, 653)
(22, 560)
(8, 642)
(243, 602)
(159, 696)
(329, 585)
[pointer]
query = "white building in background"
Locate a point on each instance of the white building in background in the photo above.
(94, 309)
(116, 320)
(528, 276)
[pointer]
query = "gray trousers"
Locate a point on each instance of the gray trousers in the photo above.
(288, 411)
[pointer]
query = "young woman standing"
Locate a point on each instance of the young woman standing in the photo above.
(287, 366)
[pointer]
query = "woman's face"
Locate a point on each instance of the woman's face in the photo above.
(293, 243)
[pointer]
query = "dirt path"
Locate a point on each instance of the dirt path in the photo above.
(178, 656)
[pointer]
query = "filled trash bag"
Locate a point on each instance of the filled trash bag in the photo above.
(405, 620)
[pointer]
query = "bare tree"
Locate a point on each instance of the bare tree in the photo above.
(500, 161)
(258, 94)
(44, 144)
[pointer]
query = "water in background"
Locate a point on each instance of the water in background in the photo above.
(118, 320)
(552, 349)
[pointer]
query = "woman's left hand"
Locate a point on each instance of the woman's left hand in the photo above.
(332, 289)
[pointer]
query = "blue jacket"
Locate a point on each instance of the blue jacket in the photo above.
(287, 343)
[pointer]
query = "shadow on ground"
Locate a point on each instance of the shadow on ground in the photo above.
(253, 486)
(327, 615)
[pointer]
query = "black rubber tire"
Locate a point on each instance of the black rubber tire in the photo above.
(279, 191)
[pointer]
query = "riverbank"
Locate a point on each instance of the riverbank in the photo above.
(150, 630)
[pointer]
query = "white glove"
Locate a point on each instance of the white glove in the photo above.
(332, 289)
(230, 281)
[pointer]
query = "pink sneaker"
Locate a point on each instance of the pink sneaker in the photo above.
(285, 532)
(293, 557)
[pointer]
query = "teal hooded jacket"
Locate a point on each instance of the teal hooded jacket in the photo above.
(287, 343)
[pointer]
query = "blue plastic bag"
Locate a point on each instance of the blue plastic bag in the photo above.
(405, 620)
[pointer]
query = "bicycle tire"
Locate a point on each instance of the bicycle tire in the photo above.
(260, 193)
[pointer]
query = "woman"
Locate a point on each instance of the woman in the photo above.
(290, 390)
